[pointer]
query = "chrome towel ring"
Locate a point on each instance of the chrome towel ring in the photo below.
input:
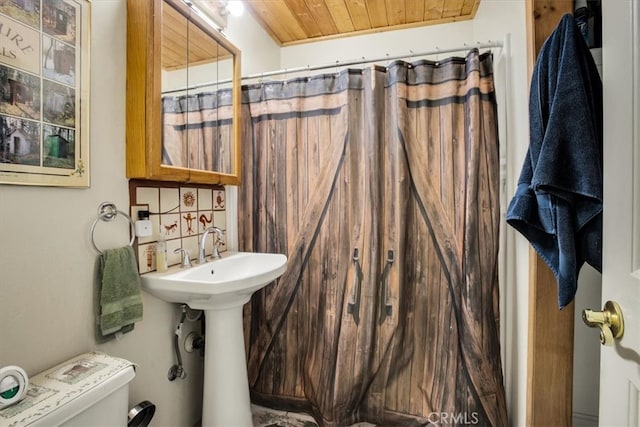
(107, 212)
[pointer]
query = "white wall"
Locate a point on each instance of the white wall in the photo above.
(47, 262)
(586, 341)
(586, 356)
(259, 52)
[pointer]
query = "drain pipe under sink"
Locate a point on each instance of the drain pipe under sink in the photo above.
(177, 371)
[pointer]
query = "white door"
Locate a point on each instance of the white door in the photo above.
(620, 364)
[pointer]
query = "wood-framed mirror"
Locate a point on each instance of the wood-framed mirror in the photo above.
(183, 96)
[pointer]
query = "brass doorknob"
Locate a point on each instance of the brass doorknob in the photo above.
(609, 320)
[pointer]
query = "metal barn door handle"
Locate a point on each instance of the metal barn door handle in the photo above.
(354, 304)
(385, 302)
(609, 320)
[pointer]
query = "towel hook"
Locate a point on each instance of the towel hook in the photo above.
(107, 211)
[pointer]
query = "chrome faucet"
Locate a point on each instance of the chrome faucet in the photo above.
(218, 239)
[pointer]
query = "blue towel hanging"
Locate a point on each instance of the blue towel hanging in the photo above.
(558, 202)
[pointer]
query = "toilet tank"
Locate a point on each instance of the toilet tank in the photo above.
(91, 389)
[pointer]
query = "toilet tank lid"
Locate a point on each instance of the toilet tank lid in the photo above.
(69, 387)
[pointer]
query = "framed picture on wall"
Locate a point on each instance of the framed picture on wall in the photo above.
(44, 92)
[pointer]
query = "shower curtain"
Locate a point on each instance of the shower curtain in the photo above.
(197, 131)
(381, 186)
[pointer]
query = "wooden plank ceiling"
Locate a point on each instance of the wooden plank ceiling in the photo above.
(300, 21)
(186, 44)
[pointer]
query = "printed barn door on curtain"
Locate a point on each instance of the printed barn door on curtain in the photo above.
(197, 131)
(381, 187)
(307, 192)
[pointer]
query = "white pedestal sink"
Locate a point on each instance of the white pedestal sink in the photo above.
(221, 287)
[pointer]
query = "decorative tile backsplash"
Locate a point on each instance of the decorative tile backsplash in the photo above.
(181, 213)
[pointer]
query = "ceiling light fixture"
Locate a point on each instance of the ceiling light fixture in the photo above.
(235, 7)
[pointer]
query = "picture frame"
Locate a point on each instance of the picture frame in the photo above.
(44, 92)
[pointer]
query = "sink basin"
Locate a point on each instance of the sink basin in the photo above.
(231, 279)
(221, 287)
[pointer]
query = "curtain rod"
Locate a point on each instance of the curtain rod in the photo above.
(363, 60)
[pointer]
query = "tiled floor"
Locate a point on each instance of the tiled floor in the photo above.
(265, 417)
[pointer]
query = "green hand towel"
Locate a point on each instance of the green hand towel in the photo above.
(120, 298)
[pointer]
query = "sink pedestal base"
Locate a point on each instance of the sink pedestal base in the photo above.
(226, 400)
(220, 288)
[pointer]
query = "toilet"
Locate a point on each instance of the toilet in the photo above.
(91, 389)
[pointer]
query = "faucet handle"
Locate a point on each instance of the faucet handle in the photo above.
(218, 242)
(185, 261)
(219, 232)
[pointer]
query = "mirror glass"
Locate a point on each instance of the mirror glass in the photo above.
(197, 96)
